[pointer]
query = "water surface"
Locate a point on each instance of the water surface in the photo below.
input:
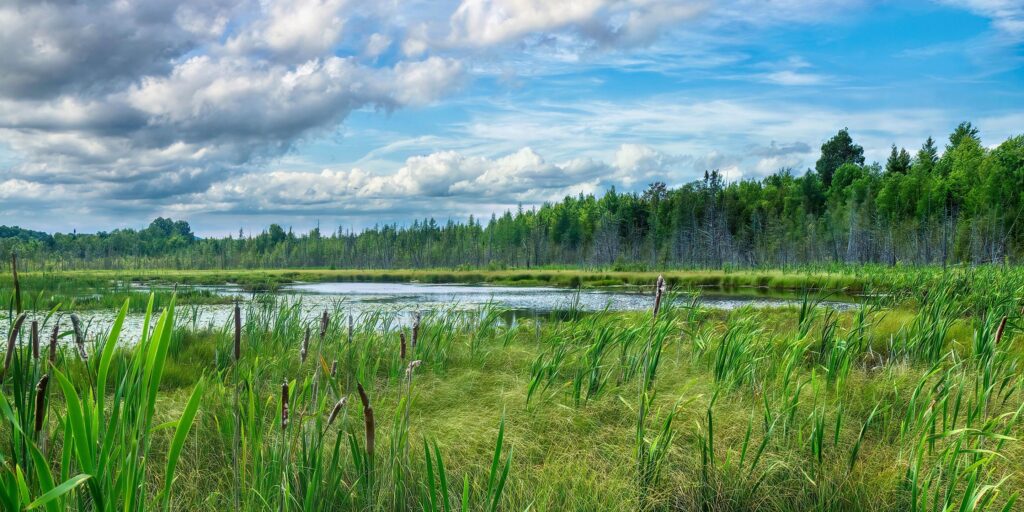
(406, 297)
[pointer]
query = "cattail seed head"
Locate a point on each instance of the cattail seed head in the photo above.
(284, 405)
(412, 366)
(35, 339)
(401, 336)
(54, 334)
(350, 327)
(415, 328)
(238, 332)
(76, 324)
(336, 410)
(41, 401)
(305, 346)
(999, 331)
(368, 416)
(659, 291)
(12, 341)
(325, 322)
(334, 368)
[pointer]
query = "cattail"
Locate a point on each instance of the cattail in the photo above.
(350, 328)
(412, 366)
(284, 405)
(659, 291)
(999, 331)
(337, 409)
(368, 415)
(238, 332)
(325, 321)
(334, 369)
(35, 339)
(41, 401)
(415, 328)
(305, 346)
(401, 336)
(76, 324)
(53, 341)
(11, 341)
(17, 284)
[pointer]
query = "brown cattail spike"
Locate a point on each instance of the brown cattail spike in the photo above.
(238, 332)
(337, 409)
(415, 328)
(76, 324)
(334, 368)
(401, 336)
(41, 401)
(54, 334)
(659, 292)
(999, 331)
(12, 341)
(368, 416)
(325, 322)
(35, 339)
(284, 405)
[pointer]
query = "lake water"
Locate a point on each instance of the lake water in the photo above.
(357, 297)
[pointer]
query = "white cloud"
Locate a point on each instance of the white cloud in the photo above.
(789, 77)
(205, 120)
(1007, 15)
(110, 106)
(482, 23)
(295, 29)
(377, 44)
(523, 176)
(487, 22)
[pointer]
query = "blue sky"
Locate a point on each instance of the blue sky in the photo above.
(238, 113)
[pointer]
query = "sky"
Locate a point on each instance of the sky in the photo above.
(234, 114)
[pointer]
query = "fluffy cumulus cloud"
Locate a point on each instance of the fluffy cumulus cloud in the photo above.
(196, 107)
(164, 102)
(152, 100)
(461, 182)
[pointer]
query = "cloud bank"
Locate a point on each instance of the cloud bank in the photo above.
(114, 110)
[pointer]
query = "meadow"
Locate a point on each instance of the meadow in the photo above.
(912, 401)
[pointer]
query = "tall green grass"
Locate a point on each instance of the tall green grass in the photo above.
(909, 403)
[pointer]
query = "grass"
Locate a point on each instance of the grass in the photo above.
(910, 403)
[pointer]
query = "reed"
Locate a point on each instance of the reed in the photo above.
(673, 408)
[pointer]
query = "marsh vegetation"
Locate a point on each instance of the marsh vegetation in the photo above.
(911, 401)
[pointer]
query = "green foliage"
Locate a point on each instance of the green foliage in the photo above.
(911, 402)
(963, 205)
(835, 152)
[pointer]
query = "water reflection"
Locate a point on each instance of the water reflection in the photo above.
(357, 298)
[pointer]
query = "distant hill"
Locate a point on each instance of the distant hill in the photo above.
(24, 234)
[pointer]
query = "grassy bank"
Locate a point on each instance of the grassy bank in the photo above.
(914, 405)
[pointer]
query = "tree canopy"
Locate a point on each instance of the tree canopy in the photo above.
(965, 204)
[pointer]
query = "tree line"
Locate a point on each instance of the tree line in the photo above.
(961, 203)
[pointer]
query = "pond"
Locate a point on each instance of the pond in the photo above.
(406, 297)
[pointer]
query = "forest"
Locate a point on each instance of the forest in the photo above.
(959, 203)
